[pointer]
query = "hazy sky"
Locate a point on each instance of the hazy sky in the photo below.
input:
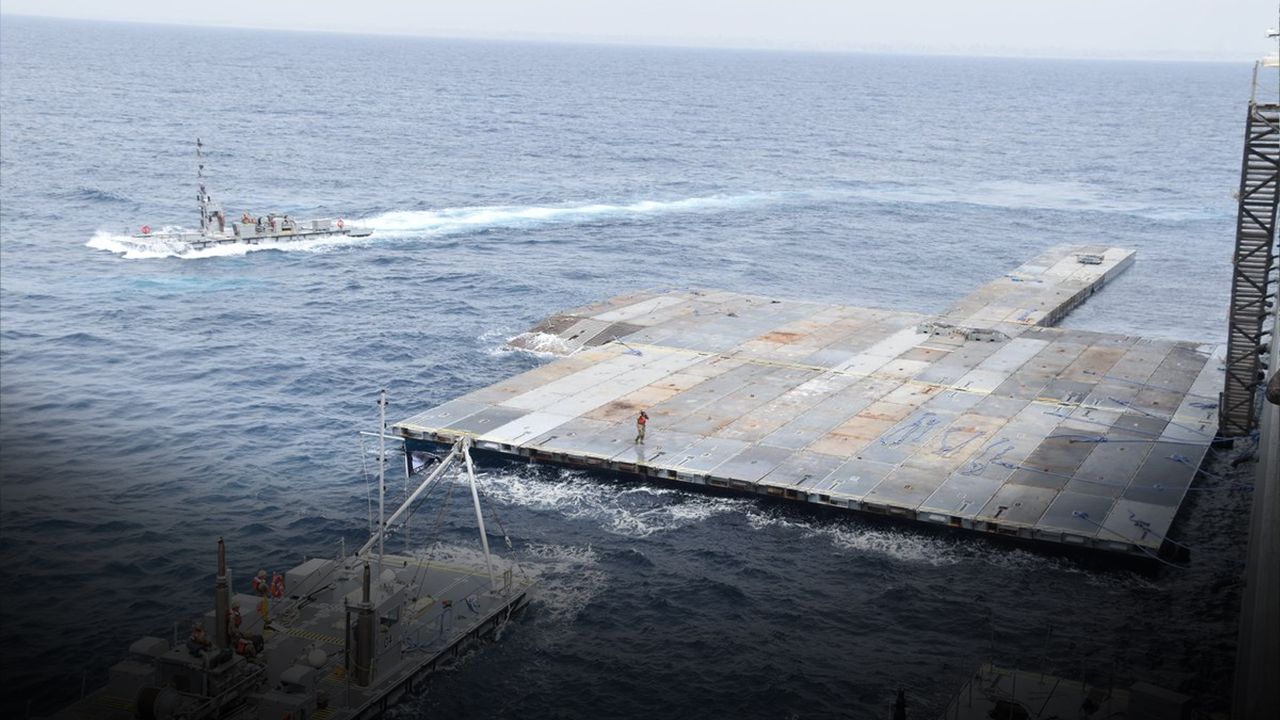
(1162, 29)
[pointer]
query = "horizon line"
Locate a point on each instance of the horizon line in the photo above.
(670, 43)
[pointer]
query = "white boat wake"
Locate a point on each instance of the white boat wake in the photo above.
(450, 221)
(416, 224)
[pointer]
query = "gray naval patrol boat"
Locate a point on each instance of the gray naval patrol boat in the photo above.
(215, 230)
(332, 639)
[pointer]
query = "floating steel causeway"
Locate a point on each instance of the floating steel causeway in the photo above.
(982, 418)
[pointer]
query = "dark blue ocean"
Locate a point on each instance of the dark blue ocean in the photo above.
(151, 404)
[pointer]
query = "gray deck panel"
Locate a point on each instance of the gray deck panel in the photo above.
(753, 463)
(443, 416)
(854, 478)
(1030, 476)
(584, 331)
(802, 469)
(706, 421)
(1109, 468)
(828, 357)
(988, 463)
(1004, 408)
(713, 389)
(1162, 480)
(578, 382)
(907, 437)
(706, 454)
(961, 440)
(1018, 505)
(1066, 391)
(586, 437)
(961, 495)
(823, 417)
(1136, 426)
(905, 487)
(661, 448)
(1056, 460)
(952, 402)
(531, 379)
(784, 408)
(889, 454)
(525, 428)
(574, 427)
(1196, 417)
(635, 312)
(1062, 513)
(487, 419)
(1120, 523)
(965, 355)
(609, 442)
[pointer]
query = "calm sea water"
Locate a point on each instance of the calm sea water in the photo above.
(152, 404)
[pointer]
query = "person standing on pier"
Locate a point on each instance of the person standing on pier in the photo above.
(641, 421)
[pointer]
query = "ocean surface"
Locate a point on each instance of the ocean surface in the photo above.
(152, 403)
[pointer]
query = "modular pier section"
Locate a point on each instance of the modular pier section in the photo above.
(982, 418)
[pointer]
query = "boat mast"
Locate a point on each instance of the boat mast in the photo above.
(201, 195)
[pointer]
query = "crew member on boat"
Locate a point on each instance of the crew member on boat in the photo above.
(199, 641)
(262, 586)
(246, 645)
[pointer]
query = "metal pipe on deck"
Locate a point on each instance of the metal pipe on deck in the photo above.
(222, 601)
(475, 498)
(364, 636)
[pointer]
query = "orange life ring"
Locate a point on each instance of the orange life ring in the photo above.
(339, 223)
(277, 586)
(146, 229)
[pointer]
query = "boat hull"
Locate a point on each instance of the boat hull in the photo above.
(181, 243)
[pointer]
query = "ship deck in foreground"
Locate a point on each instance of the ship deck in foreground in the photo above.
(333, 639)
(429, 613)
(984, 418)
